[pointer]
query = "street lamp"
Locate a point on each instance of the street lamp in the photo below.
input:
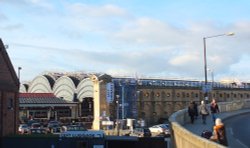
(19, 69)
(205, 58)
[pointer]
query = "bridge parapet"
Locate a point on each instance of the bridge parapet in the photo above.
(181, 137)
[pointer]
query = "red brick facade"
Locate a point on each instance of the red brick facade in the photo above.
(9, 86)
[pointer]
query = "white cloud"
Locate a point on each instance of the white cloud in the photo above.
(107, 10)
(108, 38)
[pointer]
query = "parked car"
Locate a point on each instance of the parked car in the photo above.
(75, 128)
(23, 129)
(53, 123)
(38, 131)
(35, 126)
(141, 132)
(167, 129)
(54, 127)
(30, 122)
(160, 129)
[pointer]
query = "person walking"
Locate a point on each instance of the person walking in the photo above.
(196, 110)
(191, 111)
(214, 108)
(219, 133)
(204, 112)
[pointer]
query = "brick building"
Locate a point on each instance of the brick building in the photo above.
(9, 86)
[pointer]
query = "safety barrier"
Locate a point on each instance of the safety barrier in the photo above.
(183, 138)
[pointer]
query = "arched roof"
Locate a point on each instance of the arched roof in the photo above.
(85, 89)
(75, 80)
(51, 80)
(64, 87)
(40, 84)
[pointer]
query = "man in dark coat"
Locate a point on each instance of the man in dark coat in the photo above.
(191, 111)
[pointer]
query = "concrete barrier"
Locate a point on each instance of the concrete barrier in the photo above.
(183, 138)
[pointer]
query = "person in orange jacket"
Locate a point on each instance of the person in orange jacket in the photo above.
(219, 133)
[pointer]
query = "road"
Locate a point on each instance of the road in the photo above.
(238, 131)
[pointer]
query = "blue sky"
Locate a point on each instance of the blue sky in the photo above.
(129, 37)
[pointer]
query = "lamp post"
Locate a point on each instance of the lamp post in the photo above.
(205, 59)
(19, 69)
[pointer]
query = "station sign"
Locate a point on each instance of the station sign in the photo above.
(82, 134)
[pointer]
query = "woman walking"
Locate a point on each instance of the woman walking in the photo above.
(214, 109)
(204, 112)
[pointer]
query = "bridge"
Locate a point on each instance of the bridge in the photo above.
(185, 135)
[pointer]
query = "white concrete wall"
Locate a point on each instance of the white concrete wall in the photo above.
(182, 138)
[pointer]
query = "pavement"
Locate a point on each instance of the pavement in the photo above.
(198, 126)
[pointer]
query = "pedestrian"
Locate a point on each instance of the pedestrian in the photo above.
(214, 108)
(191, 111)
(196, 110)
(204, 112)
(219, 133)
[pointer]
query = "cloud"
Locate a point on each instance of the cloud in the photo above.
(12, 27)
(107, 10)
(28, 3)
(3, 17)
(110, 38)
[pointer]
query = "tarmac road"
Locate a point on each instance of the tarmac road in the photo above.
(238, 131)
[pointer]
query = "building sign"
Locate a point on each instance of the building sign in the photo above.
(207, 88)
(83, 134)
(110, 92)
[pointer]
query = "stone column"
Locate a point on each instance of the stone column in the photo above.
(96, 122)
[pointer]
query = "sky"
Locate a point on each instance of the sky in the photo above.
(138, 38)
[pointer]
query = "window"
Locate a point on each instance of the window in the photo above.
(183, 94)
(10, 104)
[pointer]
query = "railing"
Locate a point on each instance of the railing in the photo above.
(182, 138)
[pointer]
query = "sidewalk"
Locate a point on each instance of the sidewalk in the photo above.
(198, 126)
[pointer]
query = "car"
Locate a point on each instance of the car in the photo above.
(35, 126)
(30, 122)
(23, 129)
(75, 128)
(38, 131)
(54, 127)
(140, 132)
(160, 129)
(53, 123)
